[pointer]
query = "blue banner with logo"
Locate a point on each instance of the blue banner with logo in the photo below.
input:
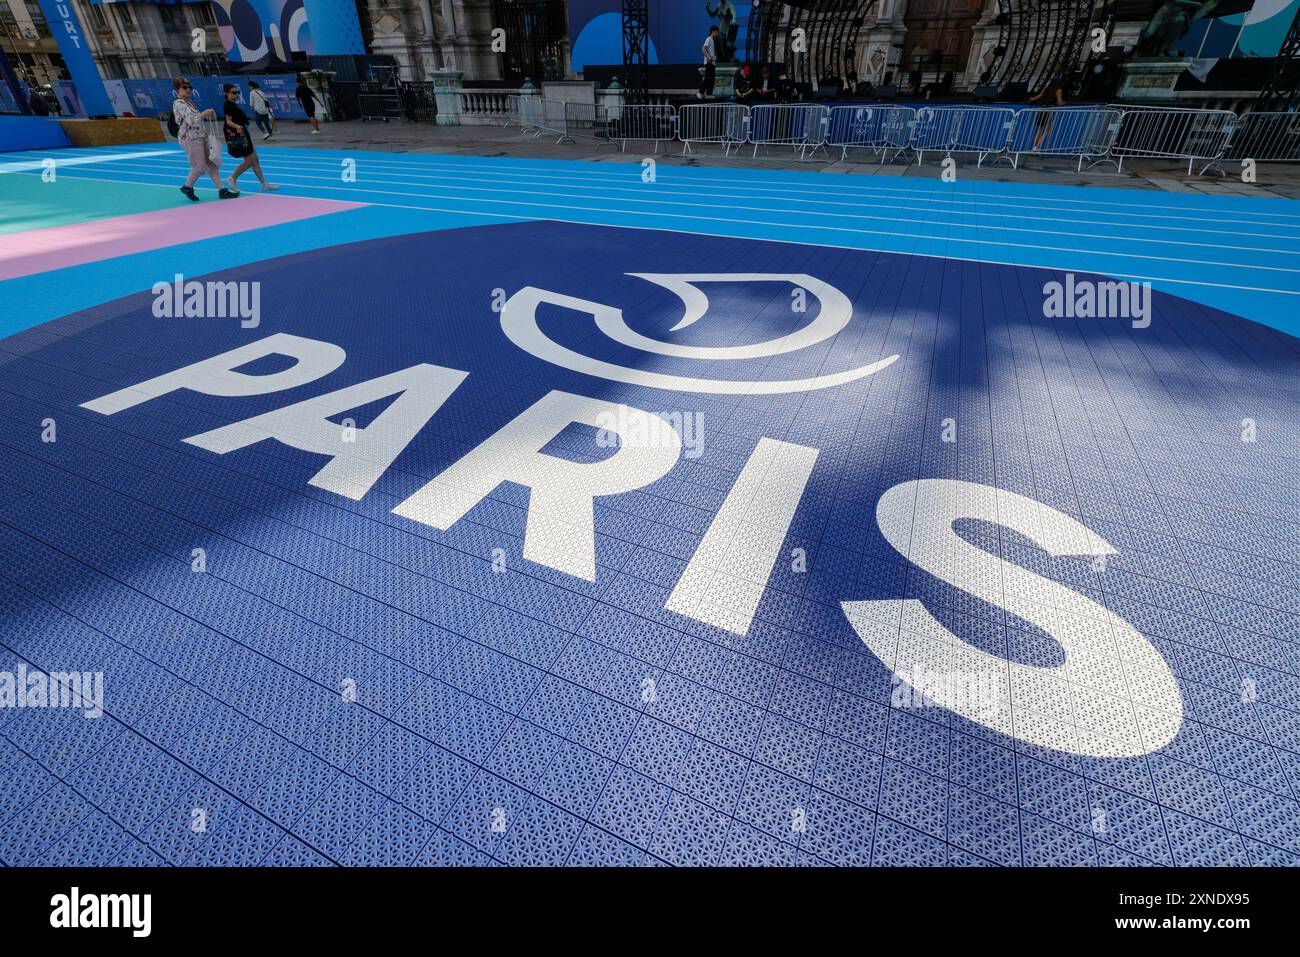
(72, 42)
(677, 30)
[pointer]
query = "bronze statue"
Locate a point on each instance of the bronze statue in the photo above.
(1170, 24)
(728, 28)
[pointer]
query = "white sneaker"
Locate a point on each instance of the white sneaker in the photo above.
(266, 136)
(270, 187)
(315, 132)
(230, 185)
(699, 95)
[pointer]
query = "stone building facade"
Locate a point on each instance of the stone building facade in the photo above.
(128, 40)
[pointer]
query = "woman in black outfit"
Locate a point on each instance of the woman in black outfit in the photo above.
(237, 121)
(307, 100)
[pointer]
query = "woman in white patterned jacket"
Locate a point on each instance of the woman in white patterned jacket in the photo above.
(189, 125)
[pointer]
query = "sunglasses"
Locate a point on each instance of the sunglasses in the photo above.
(185, 86)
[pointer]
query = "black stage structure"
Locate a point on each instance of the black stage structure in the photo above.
(1035, 43)
(1282, 92)
(1037, 40)
(636, 50)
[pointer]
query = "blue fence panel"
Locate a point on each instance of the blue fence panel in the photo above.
(151, 97)
(879, 126)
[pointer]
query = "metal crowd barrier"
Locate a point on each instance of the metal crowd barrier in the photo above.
(1085, 132)
(1154, 133)
(724, 123)
(514, 114)
(1266, 138)
(526, 112)
(642, 122)
(877, 128)
(1092, 134)
(555, 120)
(383, 106)
(985, 131)
(798, 125)
(585, 119)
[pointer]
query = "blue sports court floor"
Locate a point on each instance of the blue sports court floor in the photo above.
(697, 516)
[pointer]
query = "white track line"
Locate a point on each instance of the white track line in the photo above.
(357, 192)
(1134, 277)
(948, 194)
(657, 190)
(28, 166)
(1002, 217)
(828, 189)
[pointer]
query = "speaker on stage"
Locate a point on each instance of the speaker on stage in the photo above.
(887, 91)
(986, 93)
(1014, 91)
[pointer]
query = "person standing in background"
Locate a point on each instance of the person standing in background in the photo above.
(786, 91)
(710, 50)
(1053, 94)
(261, 109)
(308, 101)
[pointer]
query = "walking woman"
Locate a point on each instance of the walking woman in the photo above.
(239, 142)
(189, 131)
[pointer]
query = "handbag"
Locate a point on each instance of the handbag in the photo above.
(237, 143)
(214, 150)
